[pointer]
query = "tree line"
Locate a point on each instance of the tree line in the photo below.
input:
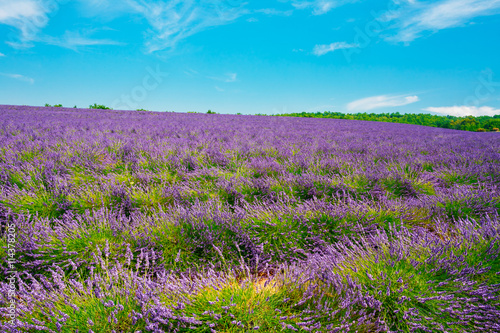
(468, 123)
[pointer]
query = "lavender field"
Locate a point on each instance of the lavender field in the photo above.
(115, 221)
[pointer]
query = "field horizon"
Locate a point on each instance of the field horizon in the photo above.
(466, 122)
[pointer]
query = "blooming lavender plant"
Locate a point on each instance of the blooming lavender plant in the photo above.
(163, 222)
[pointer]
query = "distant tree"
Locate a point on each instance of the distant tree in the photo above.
(468, 123)
(58, 105)
(491, 124)
(211, 112)
(47, 105)
(98, 106)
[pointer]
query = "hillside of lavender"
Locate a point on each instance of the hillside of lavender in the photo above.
(121, 221)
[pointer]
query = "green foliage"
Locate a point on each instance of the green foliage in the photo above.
(87, 313)
(58, 106)
(98, 106)
(492, 124)
(469, 123)
(254, 305)
(211, 112)
(47, 105)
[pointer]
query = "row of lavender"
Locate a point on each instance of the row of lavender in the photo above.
(159, 222)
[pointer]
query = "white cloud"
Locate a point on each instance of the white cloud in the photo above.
(414, 18)
(19, 9)
(319, 7)
(462, 111)
(320, 50)
(2, 55)
(170, 21)
(381, 101)
(19, 77)
(176, 20)
(28, 16)
(219, 89)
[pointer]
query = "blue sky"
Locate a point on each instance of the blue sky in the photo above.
(273, 56)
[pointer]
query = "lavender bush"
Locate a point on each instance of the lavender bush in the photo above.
(163, 222)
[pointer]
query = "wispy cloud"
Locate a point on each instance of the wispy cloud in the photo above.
(107, 9)
(176, 20)
(273, 12)
(462, 111)
(219, 89)
(231, 77)
(28, 16)
(319, 7)
(228, 77)
(381, 101)
(191, 72)
(17, 9)
(74, 40)
(19, 77)
(414, 18)
(169, 21)
(2, 55)
(320, 50)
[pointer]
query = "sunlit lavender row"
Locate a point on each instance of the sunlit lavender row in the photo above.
(165, 222)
